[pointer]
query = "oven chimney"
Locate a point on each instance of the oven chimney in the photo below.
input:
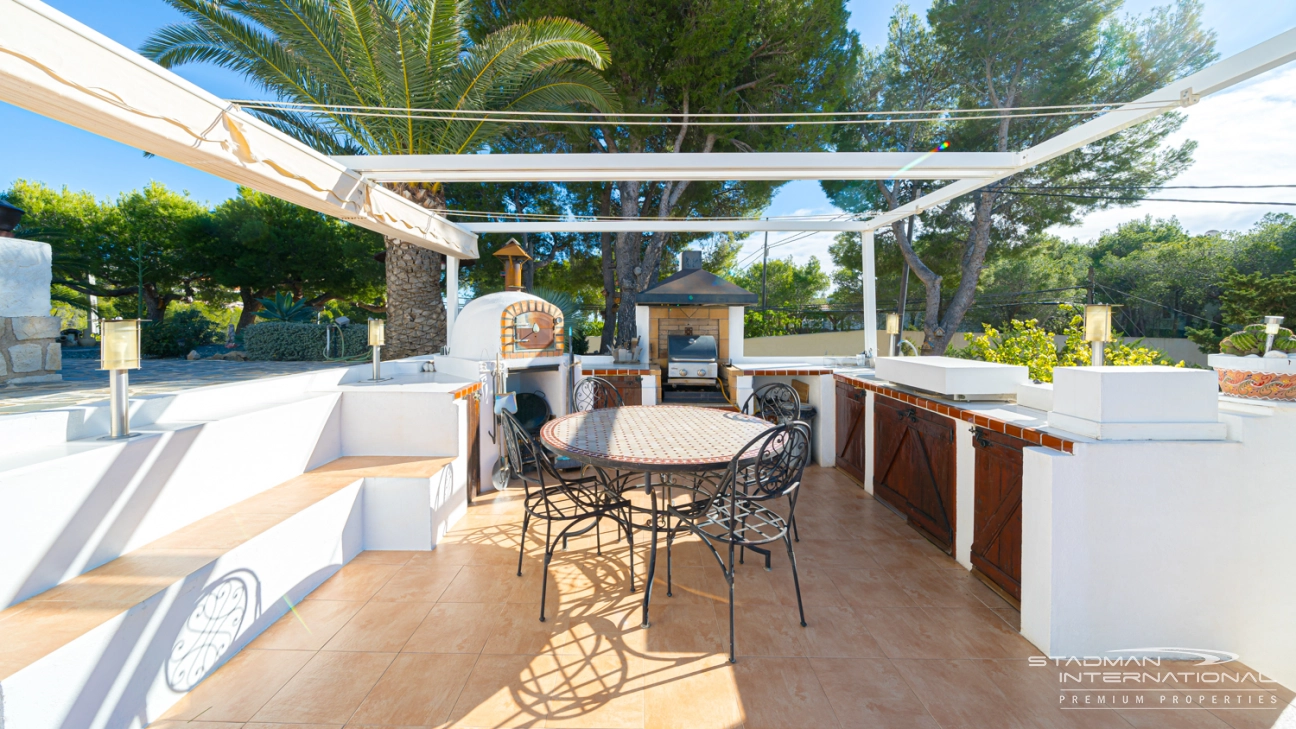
(9, 218)
(513, 257)
(690, 260)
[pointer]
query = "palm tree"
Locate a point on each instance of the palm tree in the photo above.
(333, 57)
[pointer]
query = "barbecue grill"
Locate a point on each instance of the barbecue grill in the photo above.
(692, 360)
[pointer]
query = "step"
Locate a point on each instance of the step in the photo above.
(120, 644)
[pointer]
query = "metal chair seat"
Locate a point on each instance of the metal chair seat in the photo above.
(574, 500)
(744, 524)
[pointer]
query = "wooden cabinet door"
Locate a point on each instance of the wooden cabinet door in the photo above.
(630, 387)
(997, 517)
(914, 466)
(850, 430)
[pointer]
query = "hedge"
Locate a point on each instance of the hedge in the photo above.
(177, 334)
(293, 342)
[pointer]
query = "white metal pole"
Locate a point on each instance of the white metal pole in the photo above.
(869, 285)
(452, 293)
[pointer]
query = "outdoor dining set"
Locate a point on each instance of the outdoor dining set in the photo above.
(729, 478)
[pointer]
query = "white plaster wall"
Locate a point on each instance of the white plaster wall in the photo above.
(396, 422)
(823, 395)
(129, 670)
(869, 474)
(737, 322)
(1129, 545)
(86, 503)
(964, 492)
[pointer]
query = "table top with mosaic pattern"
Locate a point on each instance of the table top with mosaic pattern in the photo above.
(657, 438)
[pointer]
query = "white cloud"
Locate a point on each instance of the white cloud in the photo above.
(1244, 137)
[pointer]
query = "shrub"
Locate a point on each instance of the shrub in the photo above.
(294, 342)
(178, 334)
(283, 308)
(1030, 345)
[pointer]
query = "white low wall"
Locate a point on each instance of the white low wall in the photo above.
(1186, 544)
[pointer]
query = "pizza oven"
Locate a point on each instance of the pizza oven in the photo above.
(521, 329)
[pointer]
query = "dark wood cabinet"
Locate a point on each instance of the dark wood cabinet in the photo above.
(630, 387)
(913, 466)
(997, 517)
(850, 430)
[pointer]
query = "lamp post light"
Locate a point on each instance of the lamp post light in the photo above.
(892, 329)
(119, 351)
(1272, 323)
(1097, 330)
(377, 338)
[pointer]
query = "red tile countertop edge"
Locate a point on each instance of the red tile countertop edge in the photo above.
(1030, 435)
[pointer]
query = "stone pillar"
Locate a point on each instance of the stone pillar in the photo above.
(29, 348)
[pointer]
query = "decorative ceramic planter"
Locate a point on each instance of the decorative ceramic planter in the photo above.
(1258, 378)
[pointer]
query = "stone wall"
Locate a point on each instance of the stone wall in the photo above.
(29, 351)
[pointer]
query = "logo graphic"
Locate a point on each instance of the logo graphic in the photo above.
(1208, 657)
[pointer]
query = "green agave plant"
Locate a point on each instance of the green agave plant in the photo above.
(283, 308)
(1251, 340)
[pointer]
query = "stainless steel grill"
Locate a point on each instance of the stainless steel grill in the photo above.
(692, 360)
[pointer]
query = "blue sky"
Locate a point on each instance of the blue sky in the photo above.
(1244, 136)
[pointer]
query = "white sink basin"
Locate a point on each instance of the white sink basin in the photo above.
(964, 379)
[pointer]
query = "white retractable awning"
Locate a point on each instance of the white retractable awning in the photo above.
(683, 166)
(54, 66)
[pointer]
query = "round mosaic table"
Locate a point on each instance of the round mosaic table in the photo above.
(652, 439)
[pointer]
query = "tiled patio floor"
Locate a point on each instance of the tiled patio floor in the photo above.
(899, 636)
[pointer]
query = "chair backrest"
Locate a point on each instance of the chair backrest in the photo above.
(771, 465)
(776, 402)
(520, 451)
(595, 393)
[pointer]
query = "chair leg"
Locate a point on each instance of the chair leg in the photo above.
(598, 535)
(630, 539)
(670, 539)
(796, 580)
(729, 576)
(544, 580)
(526, 521)
(796, 533)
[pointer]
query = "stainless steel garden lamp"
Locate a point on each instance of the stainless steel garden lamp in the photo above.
(1098, 330)
(119, 352)
(892, 329)
(1272, 323)
(377, 338)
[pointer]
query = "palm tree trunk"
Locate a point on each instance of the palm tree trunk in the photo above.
(416, 317)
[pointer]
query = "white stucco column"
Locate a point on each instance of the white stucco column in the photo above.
(452, 293)
(736, 332)
(869, 286)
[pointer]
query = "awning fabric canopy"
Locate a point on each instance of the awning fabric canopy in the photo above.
(54, 66)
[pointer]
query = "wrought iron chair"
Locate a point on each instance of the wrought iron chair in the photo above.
(738, 514)
(779, 403)
(555, 498)
(595, 393)
(776, 402)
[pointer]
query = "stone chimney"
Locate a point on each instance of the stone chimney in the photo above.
(29, 348)
(690, 260)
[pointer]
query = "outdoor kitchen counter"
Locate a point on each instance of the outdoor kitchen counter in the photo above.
(1001, 417)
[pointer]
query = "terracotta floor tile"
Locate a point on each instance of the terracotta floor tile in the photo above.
(308, 626)
(870, 693)
(690, 692)
(837, 632)
(327, 690)
(518, 631)
(1011, 616)
(781, 693)
(1171, 719)
(960, 694)
(979, 633)
(869, 588)
(761, 631)
(238, 689)
(677, 628)
(379, 556)
(1037, 694)
(504, 691)
(908, 633)
(355, 582)
(417, 583)
(484, 584)
(455, 627)
(380, 627)
(939, 588)
(593, 692)
(266, 725)
(817, 587)
(698, 585)
(902, 554)
(418, 689)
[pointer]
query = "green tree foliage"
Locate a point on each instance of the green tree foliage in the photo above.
(258, 244)
(405, 57)
(1035, 347)
(133, 247)
(787, 285)
(686, 57)
(1001, 55)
